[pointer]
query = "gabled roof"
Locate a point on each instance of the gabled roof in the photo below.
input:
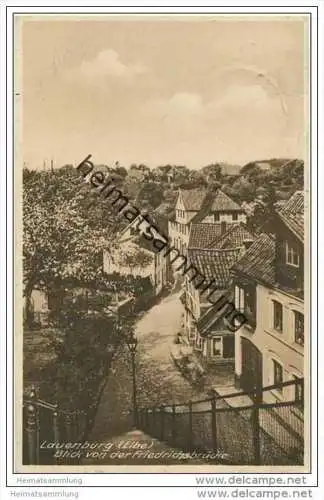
(193, 198)
(222, 202)
(201, 235)
(216, 201)
(235, 237)
(292, 214)
(295, 204)
(215, 264)
(202, 201)
(258, 262)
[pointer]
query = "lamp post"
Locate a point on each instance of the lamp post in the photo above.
(132, 345)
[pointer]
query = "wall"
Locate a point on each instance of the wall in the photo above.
(225, 217)
(287, 274)
(178, 239)
(274, 345)
(193, 301)
(160, 278)
(184, 216)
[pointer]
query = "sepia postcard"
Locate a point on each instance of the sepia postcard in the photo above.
(162, 249)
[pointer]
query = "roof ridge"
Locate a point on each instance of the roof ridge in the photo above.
(216, 250)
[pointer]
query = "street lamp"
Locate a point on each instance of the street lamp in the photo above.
(132, 345)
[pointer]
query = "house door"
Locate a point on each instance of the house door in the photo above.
(251, 366)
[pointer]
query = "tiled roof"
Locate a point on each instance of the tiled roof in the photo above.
(201, 235)
(292, 214)
(215, 264)
(193, 198)
(233, 238)
(216, 201)
(208, 235)
(258, 262)
(295, 204)
(223, 202)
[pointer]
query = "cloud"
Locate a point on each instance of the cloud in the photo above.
(178, 114)
(239, 103)
(253, 98)
(107, 65)
(178, 105)
(241, 120)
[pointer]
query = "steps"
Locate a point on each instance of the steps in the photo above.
(135, 448)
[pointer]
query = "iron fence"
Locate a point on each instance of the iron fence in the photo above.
(258, 427)
(264, 430)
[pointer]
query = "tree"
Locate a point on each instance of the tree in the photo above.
(82, 357)
(63, 238)
(244, 190)
(150, 195)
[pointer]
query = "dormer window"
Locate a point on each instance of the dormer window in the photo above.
(292, 255)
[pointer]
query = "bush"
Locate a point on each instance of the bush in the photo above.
(81, 357)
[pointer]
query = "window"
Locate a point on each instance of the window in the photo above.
(245, 302)
(250, 301)
(277, 316)
(298, 390)
(239, 298)
(299, 327)
(234, 216)
(277, 374)
(292, 255)
(216, 217)
(217, 346)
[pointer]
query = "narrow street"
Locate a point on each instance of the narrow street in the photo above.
(158, 382)
(158, 379)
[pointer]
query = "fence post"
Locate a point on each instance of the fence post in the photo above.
(68, 426)
(162, 422)
(77, 425)
(190, 426)
(302, 393)
(32, 430)
(56, 429)
(257, 398)
(153, 421)
(213, 421)
(146, 419)
(174, 433)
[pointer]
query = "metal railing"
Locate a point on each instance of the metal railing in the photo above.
(246, 428)
(46, 426)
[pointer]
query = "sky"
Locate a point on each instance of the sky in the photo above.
(181, 90)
